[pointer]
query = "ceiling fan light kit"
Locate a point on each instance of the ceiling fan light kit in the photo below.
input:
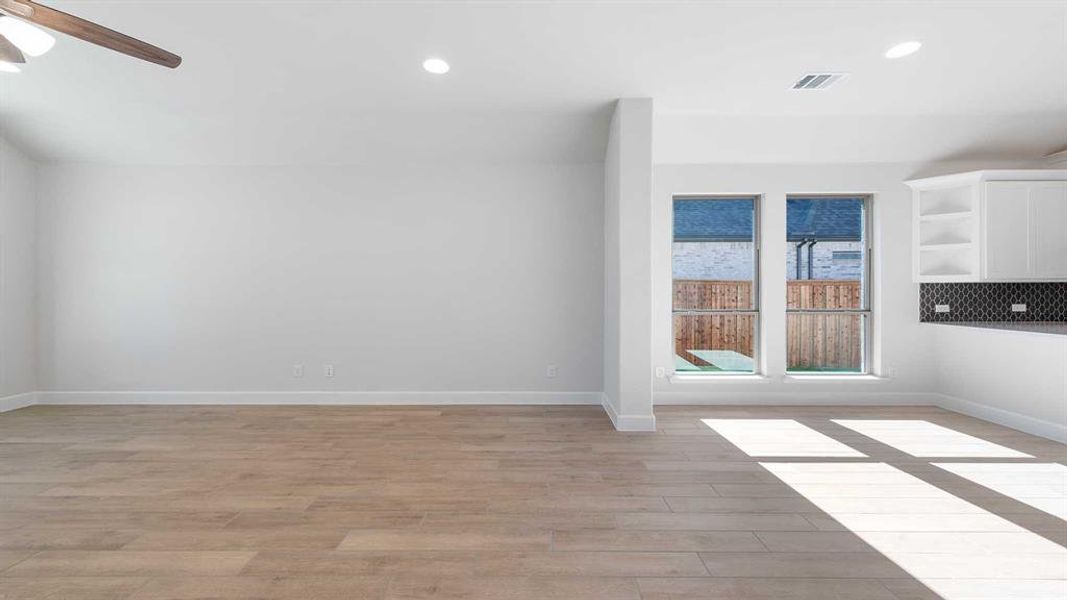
(21, 36)
(9, 52)
(29, 39)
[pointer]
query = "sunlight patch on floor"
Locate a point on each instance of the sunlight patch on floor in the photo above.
(925, 439)
(779, 437)
(1040, 485)
(957, 549)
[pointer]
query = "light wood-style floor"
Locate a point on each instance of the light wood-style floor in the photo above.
(161, 503)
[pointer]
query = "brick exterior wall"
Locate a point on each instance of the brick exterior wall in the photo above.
(730, 261)
(734, 261)
(824, 266)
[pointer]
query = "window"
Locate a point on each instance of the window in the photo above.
(715, 264)
(828, 261)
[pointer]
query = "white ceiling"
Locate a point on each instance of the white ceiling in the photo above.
(267, 82)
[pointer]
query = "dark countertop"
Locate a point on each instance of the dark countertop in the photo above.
(1039, 327)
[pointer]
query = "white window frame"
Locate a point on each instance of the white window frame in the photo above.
(866, 291)
(757, 363)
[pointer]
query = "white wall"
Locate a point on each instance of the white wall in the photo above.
(878, 137)
(429, 279)
(1016, 379)
(627, 299)
(18, 216)
(901, 347)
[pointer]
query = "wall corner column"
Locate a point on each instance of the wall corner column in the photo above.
(628, 267)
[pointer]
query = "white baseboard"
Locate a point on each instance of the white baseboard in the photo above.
(18, 401)
(319, 398)
(1007, 418)
(796, 398)
(627, 422)
(313, 398)
(1039, 427)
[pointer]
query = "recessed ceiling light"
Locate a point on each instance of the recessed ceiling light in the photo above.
(435, 66)
(6, 67)
(31, 40)
(903, 49)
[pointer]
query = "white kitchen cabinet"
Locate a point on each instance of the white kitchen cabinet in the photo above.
(991, 226)
(1048, 226)
(1006, 248)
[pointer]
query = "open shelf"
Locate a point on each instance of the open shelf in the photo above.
(945, 233)
(949, 200)
(946, 218)
(962, 214)
(945, 246)
(947, 261)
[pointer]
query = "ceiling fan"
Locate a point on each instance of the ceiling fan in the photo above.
(18, 38)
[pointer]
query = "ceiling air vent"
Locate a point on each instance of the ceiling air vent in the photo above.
(818, 81)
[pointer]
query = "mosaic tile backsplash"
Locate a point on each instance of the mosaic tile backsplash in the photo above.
(992, 301)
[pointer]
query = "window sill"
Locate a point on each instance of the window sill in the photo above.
(834, 377)
(718, 378)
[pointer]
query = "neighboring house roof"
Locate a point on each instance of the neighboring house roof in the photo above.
(822, 219)
(719, 220)
(730, 219)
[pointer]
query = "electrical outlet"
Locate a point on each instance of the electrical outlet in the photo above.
(1018, 308)
(298, 371)
(661, 372)
(328, 370)
(551, 371)
(942, 308)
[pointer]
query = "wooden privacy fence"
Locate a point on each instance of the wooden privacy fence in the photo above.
(712, 332)
(824, 341)
(813, 341)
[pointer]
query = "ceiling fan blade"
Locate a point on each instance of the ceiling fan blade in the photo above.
(88, 31)
(9, 52)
